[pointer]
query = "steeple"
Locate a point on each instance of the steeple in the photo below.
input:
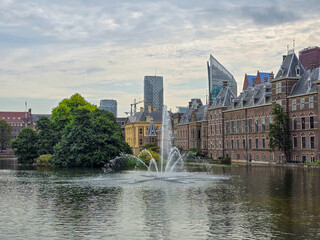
(151, 132)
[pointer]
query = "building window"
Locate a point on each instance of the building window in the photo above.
(257, 142)
(311, 104)
(304, 159)
(232, 143)
(227, 146)
(237, 126)
(140, 130)
(250, 143)
(294, 105)
(303, 142)
(263, 143)
(257, 158)
(303, 123)
(263, 126)
(302, 101)
(140, 142)
(295, 142)
(278, 87)
(250, 125)
(294, 124)
(270, 120)
(215, 144)
(312, 158)
(232, 126)
(227, 127)
(271, 157)
(244, 143)
(238, 144)
(243, 126)
(312, 142)
(311, 122)
(256, 126)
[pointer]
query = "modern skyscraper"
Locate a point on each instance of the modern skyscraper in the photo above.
(109, 105)
(153, 92)
(310, 58)
(217, 74)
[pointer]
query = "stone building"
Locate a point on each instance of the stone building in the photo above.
(238, 126)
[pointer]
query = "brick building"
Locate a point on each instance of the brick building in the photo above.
(238, 126)
(17, 120)
(310, 58)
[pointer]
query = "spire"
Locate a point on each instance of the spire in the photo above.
(151, 130)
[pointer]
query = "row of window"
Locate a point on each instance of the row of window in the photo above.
(8, 118)
(303, 142)
(241, 125)
(237, 142)
(215, 115)
(303, 123)
(303, 103)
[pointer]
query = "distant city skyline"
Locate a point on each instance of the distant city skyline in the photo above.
(103, 49)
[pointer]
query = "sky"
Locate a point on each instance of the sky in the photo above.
(103, 49)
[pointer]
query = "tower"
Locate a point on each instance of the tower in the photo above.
(109, 105)
(153, 92)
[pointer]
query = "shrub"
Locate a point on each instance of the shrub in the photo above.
(44, 160)
(197, 151)
(151, 146)
(123, 163)
(226, 161)
(145, 156)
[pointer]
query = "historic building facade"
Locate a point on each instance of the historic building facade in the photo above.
(238, 126)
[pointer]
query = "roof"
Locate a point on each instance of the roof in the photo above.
(142, 117)
(289, 67)
(151, 129)
(223, 99)
(306, 83)
(253, 96)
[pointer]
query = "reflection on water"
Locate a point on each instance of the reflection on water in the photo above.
(245, 203)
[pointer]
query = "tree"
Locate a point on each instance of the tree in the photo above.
(47, 138)
(151, 146)
(91, 139)
(5, 134)
(279, 135)
(25, 146)
(63, 114)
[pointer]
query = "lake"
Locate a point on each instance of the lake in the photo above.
(244, 202)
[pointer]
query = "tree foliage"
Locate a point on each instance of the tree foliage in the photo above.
(5, 134)
(279, 135)
(63, 114)
(151, 146)
(91, 139)
(47, 138)
(25, 146)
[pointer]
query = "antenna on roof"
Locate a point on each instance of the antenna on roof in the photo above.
(293, 44)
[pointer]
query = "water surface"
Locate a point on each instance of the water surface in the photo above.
(215, 203)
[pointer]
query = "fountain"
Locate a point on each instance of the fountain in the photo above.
(171, 159)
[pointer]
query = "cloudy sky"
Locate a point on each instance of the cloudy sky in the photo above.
(103, 48)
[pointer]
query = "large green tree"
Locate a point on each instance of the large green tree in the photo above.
(63, 114)
(25, 146)
(91, 139)
(5, 134)
(279, 135)
(47, 138)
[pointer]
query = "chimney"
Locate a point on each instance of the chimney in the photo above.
(313, 65)
(155, 109)
(271, 75)
(149, 108)
(283, 57)
(141, 109)
(225, 84)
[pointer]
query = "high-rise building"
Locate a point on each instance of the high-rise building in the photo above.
(109, 105)
(153, 92)
(310, 58)
(217, 74)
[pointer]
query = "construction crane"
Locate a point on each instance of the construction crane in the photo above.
(134, 104)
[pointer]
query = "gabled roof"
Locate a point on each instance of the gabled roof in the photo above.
(252, 96)
(223, 99)
(199, 112)
(306, 83)
(288, 68)
(151, 130)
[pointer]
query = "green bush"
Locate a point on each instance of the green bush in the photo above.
(44, 160)
(144, 156)
(226, 161)
(123, 163)
(197, 151)
(151, 146)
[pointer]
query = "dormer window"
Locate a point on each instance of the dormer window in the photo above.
(298, 71)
